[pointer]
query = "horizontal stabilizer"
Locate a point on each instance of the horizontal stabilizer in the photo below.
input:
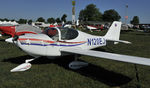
(111, 56)
(121, 41)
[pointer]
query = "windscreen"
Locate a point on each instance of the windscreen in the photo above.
(68, 33)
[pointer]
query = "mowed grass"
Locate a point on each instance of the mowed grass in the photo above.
(100, 73)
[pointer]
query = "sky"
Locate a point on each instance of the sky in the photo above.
(33, 9)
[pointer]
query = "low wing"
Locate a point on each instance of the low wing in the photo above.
(111, 56)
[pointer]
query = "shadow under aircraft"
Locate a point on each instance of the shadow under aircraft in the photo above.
(92, 71)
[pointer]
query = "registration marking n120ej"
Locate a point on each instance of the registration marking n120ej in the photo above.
(96, 41)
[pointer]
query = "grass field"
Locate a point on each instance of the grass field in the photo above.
(100, 73)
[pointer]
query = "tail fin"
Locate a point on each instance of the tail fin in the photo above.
(114, 31)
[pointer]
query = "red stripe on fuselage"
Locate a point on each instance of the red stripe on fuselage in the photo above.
(32, 39)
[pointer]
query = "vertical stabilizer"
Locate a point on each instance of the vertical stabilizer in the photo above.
(114, 31)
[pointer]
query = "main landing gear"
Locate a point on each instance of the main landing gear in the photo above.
(77, 64)
(23, 67)
(72, 65)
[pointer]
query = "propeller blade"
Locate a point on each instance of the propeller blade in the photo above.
(15, 38)
(12, 40)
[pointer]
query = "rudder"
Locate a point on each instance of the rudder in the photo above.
(114, 31)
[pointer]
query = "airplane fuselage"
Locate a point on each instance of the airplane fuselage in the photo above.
(43, 45)
(62, 41)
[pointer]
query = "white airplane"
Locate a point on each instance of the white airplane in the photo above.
(91, 28)
(64, 41)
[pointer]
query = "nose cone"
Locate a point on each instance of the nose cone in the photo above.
(9, 40)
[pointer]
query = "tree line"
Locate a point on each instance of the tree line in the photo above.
(89, 13)
(40, 19)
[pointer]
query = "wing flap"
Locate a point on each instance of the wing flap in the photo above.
(111, 56)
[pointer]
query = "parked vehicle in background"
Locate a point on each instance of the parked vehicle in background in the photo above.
(145, 28)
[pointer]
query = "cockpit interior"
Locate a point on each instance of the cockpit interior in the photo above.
(61, 33)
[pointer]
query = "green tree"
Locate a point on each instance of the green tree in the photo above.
(135, 20)
(22, 21)
(1, 19)
(58, 20)
(90, 13)
(111, 15)
(51, 20)
(82, 17)
(12, 19)
(5, 19)
(63, 18)
(40, 19)
(30, 22)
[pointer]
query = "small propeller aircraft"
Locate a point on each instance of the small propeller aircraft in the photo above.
(59, 41)
(91, 28)
(19, 30)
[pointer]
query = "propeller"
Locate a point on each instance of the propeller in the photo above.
(15, 38)
(12, 39)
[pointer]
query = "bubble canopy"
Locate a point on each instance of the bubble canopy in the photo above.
(61, 33)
